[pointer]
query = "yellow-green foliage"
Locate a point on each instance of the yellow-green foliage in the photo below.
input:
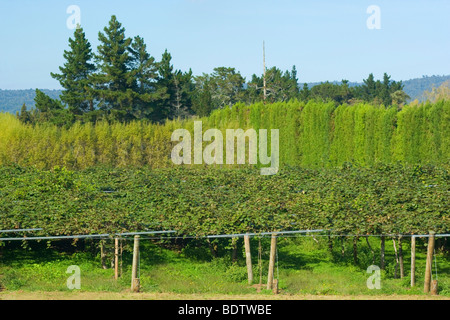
(311, 135)
(315, 137)
(423, 133)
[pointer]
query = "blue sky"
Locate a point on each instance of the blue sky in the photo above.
(324, 39)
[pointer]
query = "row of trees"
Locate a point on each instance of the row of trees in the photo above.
(122, 82)
(386, 92)
(312, 135)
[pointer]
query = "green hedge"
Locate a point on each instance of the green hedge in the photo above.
(312, 135)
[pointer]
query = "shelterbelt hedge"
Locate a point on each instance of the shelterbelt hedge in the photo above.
(312, 135)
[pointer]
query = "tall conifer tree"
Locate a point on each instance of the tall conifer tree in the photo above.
(51, 110)
(145, 72)
(114, 81)
(178, 88)
(75, 75)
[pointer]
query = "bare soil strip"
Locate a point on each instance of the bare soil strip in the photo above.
(80, 295)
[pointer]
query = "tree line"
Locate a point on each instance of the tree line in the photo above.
(123, 82)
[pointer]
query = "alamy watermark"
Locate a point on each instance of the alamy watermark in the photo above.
(374, 20)
(235, 152)
(74, 20)
(374, 281)
(74, 281)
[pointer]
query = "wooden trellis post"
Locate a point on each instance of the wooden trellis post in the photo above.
(400, 257)
(428, 270)
(116, 258)
(248, 259)
(273, 249)
(413, 261)
(134, 271)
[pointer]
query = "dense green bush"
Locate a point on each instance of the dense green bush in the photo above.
(384, 199)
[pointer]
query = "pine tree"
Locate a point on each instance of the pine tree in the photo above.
(386, 90)
(293, 88)
(178, 88)
(145, 71)
(51, 110)
(253, 93)
(369, 88)
(165, 84)
(202, 103)
(346, 92)
(24, 116)
(75, 75)
(114, 81)
(227, 84)
(143, 64)
(305, 93)
(184, 88)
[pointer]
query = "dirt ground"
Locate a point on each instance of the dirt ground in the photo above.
(80, 295)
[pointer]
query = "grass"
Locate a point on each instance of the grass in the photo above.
(304, 267)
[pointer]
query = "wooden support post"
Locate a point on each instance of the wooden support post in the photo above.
(428, 269)
(273, 249)
(396, 259)
(103, 254)
(330, 243)
(355, 250)
(260, 264)
(116, 258)
(234, 249)
(382, 258)
(434, 288)
(371, 249)
(121, 258)
(134, 269)
(413, 261)
(400, 257)
(275, 286)
(248, 259)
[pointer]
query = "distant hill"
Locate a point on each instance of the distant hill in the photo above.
(416, 87)
(12, 100)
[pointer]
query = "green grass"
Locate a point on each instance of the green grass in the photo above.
(304, 266)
